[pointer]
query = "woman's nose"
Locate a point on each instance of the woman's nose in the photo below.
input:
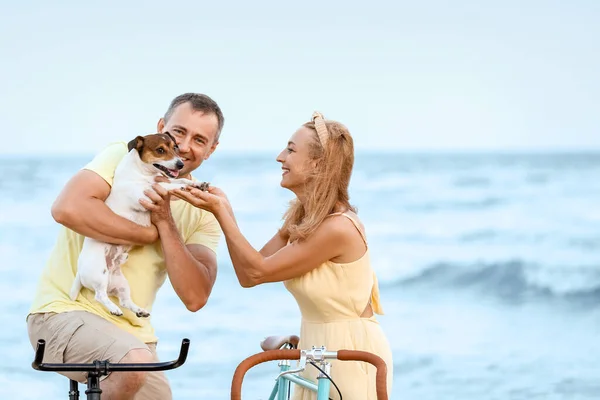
(280, 157)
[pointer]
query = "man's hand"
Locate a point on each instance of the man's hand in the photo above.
(159, 204)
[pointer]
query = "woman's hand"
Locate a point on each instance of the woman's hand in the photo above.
(213, 200)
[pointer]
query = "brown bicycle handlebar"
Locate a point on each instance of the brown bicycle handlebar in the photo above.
(380, 378)
(343, 355)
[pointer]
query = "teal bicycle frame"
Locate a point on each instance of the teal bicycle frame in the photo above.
(287, 375)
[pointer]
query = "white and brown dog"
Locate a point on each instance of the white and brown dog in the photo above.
(99, 263)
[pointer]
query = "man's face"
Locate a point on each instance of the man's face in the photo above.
(195, 133)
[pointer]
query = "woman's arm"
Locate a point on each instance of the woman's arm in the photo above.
(278, 241)
(289, 261)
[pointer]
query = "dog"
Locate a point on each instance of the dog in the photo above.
(99, 263)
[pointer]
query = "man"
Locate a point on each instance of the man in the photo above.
(181, 242)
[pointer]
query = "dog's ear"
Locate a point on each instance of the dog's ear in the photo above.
(137, 143)
(175, 146)
(170, 137)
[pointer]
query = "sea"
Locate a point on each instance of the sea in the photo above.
(488, 264)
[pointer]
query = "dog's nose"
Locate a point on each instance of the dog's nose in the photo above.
(179, 164)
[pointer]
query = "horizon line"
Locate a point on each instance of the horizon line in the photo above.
(390, 151)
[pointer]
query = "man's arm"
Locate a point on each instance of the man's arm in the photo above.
(192, 268)
(80, 207)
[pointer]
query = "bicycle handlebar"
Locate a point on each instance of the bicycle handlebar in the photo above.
(104, 367)
(343, 355)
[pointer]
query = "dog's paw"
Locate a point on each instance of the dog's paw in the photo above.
(116, 312)
(142, 313)
(202, 186)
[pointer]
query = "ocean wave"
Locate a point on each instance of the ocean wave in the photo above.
(467, 205)
(585, 243)
(537, 178)
(514, 280)
(472, 181)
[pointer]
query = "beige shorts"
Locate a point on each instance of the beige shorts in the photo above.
(82, 337)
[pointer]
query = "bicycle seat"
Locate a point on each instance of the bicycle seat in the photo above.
(275, 342)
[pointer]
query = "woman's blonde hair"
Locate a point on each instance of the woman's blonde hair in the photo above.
(327, 186)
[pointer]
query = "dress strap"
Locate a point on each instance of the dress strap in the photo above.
(355, 223)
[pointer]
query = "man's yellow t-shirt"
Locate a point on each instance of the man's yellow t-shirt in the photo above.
(144, 269)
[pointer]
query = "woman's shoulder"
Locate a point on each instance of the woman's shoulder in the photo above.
(350, 236)
(344, 224)
(344, 217)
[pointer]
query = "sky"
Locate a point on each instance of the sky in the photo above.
(422, 75)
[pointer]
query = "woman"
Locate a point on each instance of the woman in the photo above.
(320, 254)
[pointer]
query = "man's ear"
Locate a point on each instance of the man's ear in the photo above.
(161, 125)
(137, 143)
(213, 148)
